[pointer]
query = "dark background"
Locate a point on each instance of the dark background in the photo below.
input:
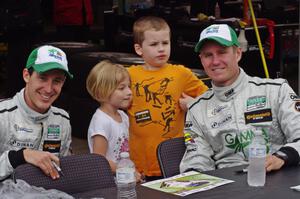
(26, 24)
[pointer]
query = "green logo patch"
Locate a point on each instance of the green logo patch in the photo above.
(53, 131)
(256, 102)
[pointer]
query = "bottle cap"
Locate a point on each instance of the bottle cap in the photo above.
(124, 155)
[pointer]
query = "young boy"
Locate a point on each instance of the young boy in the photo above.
(157, 112)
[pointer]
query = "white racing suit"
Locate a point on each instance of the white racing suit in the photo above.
(21, 127)
(219, 124)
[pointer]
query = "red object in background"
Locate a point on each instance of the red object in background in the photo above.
(270, 42)
(246, 12)
(73, 12)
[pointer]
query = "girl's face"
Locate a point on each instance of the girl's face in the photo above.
(121, 98)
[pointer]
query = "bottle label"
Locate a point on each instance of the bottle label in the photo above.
(257, 152)
(125, 175)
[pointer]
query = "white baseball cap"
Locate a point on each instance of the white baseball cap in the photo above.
(45, 58)
(220, 33)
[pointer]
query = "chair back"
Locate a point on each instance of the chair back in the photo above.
(82, 173)
(169, 155)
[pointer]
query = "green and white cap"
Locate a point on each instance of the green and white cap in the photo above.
(220, 33)
(45, 58)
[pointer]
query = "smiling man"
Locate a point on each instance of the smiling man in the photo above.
(220, 123)
(31, 129)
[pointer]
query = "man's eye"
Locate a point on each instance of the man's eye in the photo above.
(43, 78)
(58, 81)
(207, 55)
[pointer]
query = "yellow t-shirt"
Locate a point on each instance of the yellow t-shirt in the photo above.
(155, 114)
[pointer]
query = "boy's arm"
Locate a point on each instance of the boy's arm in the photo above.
(193, 85)
(184, 100)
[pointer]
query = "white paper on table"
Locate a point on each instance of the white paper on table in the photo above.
(296, 188)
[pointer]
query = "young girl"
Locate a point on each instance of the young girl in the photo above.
(109, 84)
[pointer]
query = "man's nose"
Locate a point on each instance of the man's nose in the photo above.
(215, 59)
(48, 86)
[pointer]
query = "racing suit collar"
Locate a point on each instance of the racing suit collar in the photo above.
(228, 92)
(32, 115)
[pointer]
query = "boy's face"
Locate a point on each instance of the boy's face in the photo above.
(155, 49)
(43, 89)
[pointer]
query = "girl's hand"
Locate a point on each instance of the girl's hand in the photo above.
(139, 177)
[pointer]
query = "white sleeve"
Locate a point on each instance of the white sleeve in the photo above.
(5, 167)
(198, 151)
(99, 125)
(289, 117)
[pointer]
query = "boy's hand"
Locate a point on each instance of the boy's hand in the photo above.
(184, 100)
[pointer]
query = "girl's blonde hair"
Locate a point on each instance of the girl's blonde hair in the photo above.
(104, 79)
(148, 23)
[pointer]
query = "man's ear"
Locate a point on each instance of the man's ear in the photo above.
(26, 75)
(138, 49)
(238, 53)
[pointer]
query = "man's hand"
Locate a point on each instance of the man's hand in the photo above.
(273, 163)
(184, 100)
(43, 160)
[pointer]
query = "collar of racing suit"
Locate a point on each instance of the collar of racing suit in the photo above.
(27, 112)
(228, 92)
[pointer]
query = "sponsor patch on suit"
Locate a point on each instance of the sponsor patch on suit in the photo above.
(256, 102)
(297, 106)
(264, 115)
(52, 146)
(222, 122)
(53, 132)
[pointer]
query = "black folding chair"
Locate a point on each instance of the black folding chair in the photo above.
(82, 173)
(169, 155)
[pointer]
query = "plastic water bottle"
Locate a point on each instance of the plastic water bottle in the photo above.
(242, 40)
(217, 11)
(125, 177)
(257, 157)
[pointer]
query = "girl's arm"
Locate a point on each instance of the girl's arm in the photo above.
(100, 145)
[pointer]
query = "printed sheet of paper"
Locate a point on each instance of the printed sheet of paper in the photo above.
(187, 183)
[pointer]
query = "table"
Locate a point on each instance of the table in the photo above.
(277, 187)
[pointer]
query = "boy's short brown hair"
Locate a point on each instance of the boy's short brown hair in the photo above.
(104, 79)
(147, 23)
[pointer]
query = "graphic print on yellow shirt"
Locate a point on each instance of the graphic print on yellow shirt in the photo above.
(154, 92)
(155, 114)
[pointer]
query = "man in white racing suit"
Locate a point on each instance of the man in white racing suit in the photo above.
(31, 129)
(219, 124)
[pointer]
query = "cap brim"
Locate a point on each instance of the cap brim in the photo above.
(41, 68)
(219, 40)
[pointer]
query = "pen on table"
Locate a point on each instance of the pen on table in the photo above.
(245, 170)
(57, 168)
